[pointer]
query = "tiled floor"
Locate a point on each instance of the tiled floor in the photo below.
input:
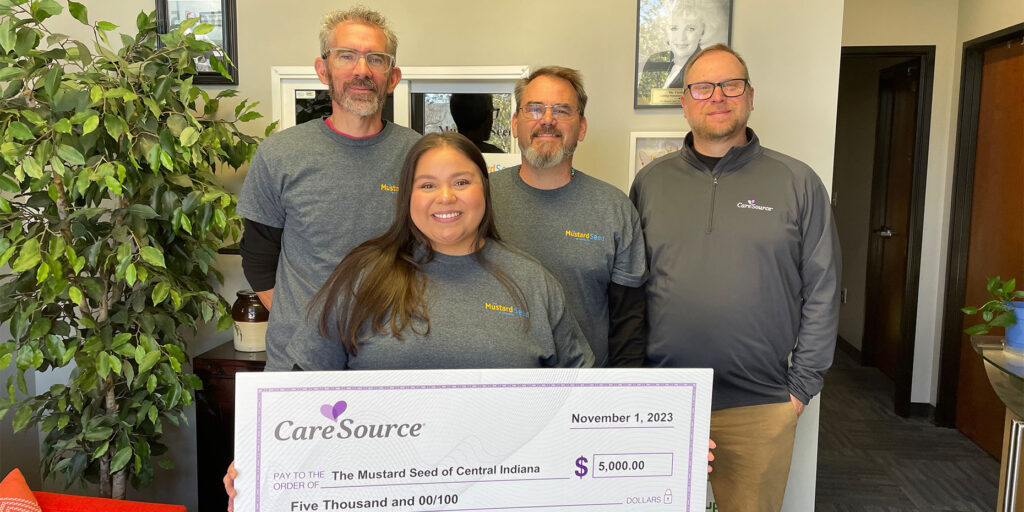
(869, 459)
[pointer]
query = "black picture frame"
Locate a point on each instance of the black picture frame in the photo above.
(654, 57)
(228, 24)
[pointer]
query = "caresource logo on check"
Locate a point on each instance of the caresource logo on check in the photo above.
(347, 428)
(556, 440)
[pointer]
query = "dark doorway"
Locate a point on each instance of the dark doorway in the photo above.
(986, 227)
(880, 171)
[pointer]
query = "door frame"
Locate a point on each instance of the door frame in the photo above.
(905, 367)
(960, 217)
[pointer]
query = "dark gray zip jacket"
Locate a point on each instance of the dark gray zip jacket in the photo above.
(744, 271)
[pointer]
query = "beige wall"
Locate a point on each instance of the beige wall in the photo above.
(792, 47)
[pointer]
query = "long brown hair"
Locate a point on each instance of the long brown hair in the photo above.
(381, 281)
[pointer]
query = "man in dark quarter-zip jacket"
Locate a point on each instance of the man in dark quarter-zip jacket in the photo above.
(743, 256)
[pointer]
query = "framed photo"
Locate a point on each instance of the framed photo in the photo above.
(220, 14)
(668, 34)
(644, 147)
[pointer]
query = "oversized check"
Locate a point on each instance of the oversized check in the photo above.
(473, 440)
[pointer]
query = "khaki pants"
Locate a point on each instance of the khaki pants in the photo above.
(755, 447)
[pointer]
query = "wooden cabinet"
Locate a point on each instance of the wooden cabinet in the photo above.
(215, 417)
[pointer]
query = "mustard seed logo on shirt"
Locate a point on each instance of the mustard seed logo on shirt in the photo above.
(751, 205)
(506, 310)
(389, 188)
(586, 237)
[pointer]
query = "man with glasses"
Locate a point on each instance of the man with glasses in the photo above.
(316, 190)
(744, 259)
(585, 231)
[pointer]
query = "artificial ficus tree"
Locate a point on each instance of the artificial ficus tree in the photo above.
(110, 219)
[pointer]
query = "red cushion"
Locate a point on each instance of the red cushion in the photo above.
(53, 502)
(15, 496)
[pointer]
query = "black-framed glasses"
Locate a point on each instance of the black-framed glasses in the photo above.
(347, 58)
(730, 88)
(561, 112)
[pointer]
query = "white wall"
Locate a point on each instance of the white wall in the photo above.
(792, 48)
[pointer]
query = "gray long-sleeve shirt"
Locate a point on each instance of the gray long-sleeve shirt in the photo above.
(744, 271)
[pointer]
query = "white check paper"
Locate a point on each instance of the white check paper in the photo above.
(473, 440)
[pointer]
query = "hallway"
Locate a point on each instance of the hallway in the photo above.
(869, 459)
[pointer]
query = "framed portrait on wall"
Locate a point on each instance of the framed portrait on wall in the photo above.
(644, 147)
(218, 13)
(668, 34)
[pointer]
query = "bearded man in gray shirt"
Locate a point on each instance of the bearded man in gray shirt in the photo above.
(317, 190)
(744, 259)
(585, 231)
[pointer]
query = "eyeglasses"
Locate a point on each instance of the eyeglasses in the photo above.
(347, 58)
(730, 88)
(559, 112)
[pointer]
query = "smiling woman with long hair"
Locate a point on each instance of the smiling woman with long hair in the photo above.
(439, 289)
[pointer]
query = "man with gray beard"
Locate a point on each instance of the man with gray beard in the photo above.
(316, 190)
(585, 231)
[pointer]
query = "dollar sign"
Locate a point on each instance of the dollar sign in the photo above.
(581, 463)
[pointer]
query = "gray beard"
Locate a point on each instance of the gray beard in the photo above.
(546, 160)
(364, 106)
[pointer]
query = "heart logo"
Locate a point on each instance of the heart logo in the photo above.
(332, 413)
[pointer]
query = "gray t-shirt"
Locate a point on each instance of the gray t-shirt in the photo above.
(328, 193)
(587, 233)
(474, 322)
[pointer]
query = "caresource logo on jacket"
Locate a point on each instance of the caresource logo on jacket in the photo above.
(347, 428)
(751, 205)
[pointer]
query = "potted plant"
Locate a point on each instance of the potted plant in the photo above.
(110, 219)
(1002, 310)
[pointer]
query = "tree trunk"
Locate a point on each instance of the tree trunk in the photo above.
(120, 483)
(111, 486)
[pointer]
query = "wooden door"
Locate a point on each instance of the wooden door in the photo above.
(895, 143)
(996, 244)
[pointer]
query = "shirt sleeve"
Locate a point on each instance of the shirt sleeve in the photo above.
(260, 248)
(260, 199)
(630, 266)
(819, 272)
(627, 332)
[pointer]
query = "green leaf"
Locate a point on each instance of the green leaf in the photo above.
(106, 26)
(970, 310)
(80, 13)
(113, 125)
(113, 184)
(102, 366)
(42, 9)
(115, 363)
(151, 383)
(224, 322)
(202, 28)
(152, 414)
(62, 126)
(99, 434)
(90, 124)
(9, 73)
(76, 295)
(153, 256)
(100, 450)
(70, 155)
(21, 418)
(188, 137)
(160, 292)
(249, 116)
(186, 224)
(165, 159)
(120, 459)
(976, 329)
(20, 131)
(7, 35)
(28, 257)
(130, 274)
(32, 167)
(149, 360)
(218, 65)
(43, 272)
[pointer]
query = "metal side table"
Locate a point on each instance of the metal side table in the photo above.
(1005, 372)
